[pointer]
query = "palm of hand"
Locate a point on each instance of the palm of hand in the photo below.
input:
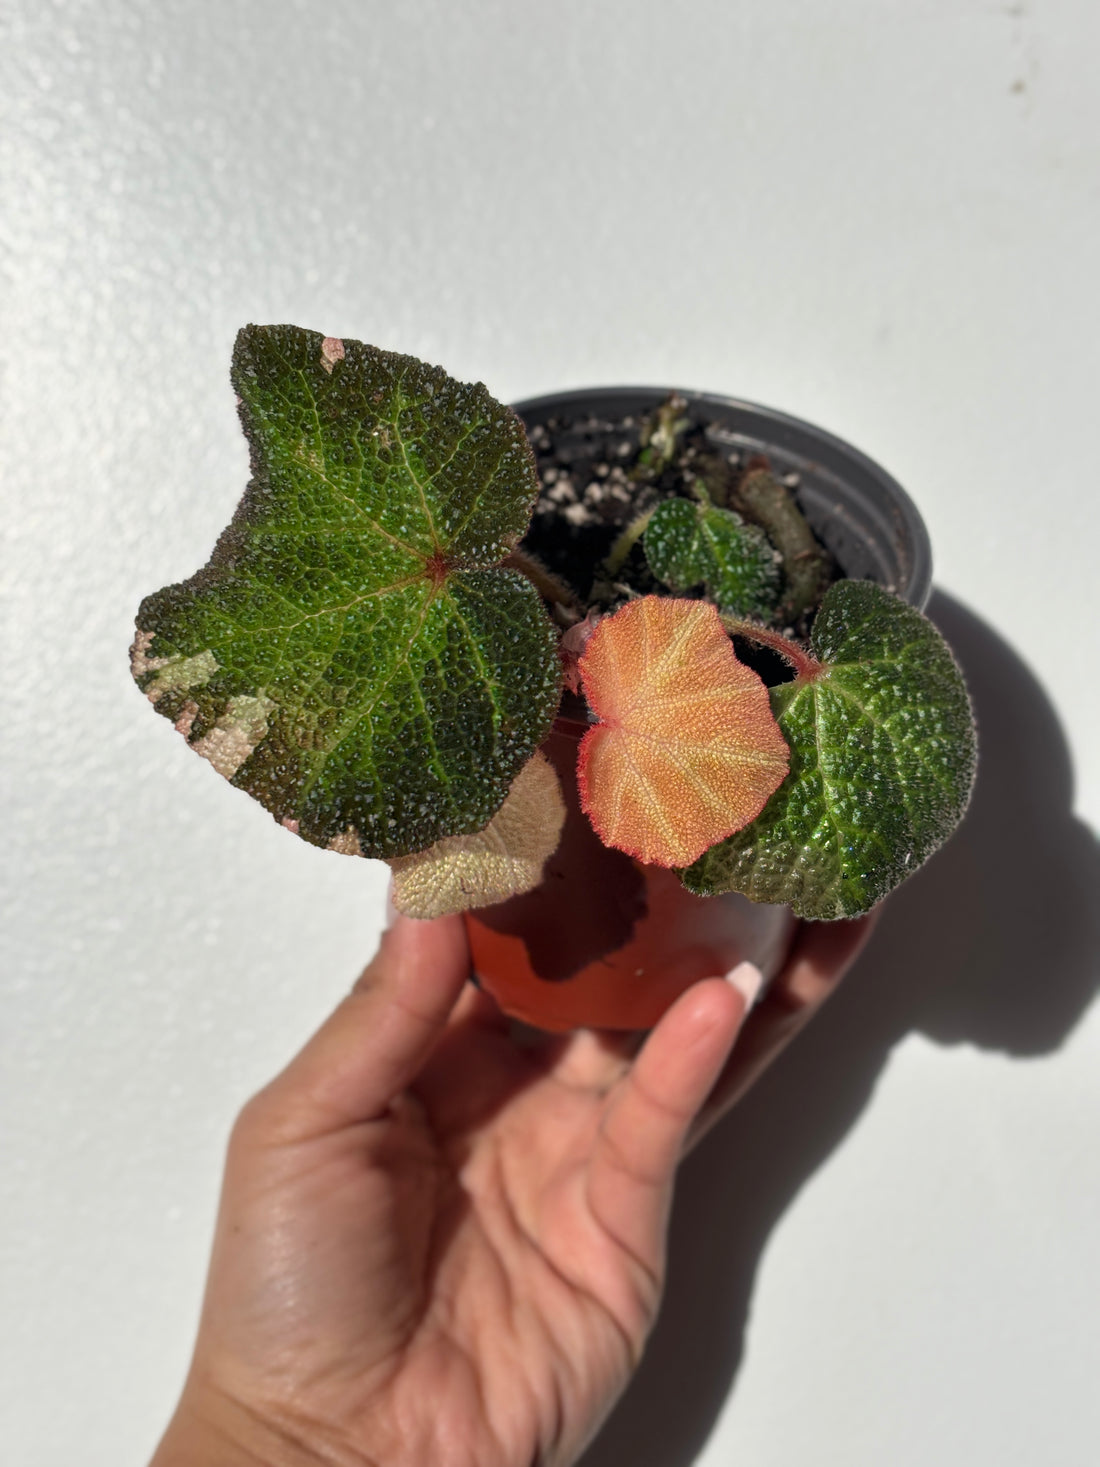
(437, 1246)
(467, 1275)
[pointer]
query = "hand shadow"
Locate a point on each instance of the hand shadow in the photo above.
(996, 942)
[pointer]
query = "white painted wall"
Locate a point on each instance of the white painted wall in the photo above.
(881, 215)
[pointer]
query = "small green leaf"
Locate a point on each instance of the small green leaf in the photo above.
(883, 754)
(353, 655)
(697, 545)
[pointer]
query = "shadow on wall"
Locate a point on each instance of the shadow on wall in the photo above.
(996, 942)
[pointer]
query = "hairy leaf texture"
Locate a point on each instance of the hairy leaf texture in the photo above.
(503, 860)
(883, 756)
(353, 655)
(686, 745)
(690, 545)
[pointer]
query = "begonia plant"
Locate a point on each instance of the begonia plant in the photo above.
(375, 652)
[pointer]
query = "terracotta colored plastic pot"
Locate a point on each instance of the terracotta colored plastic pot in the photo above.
(605, 941)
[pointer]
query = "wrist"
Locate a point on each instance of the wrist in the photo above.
(212, 1429)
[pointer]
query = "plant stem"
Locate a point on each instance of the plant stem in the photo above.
(545, 583)
(807, 668)
(616, 556)
(662, 432)
(806, 566)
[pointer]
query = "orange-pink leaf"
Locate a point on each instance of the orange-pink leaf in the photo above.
(686, 750)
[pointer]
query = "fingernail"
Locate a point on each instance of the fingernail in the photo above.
(747, 979)
(391, 910)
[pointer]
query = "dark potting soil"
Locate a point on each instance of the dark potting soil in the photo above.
(592, 486)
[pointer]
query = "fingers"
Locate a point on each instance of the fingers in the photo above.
(376, 1041)
(595, 1059)
(650, 1113)
(820, 956)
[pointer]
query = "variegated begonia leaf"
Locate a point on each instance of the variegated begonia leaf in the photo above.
(354, 655)
(687, 749)
(501, 861)
(883, 755)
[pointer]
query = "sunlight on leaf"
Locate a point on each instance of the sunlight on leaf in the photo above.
(354, 655)
(686, 746)
(883, 755)
(503, 860)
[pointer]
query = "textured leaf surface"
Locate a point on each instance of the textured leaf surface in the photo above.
(352, 655)
(503, 860)
(690, 545)
(883, 755)
(687, 746)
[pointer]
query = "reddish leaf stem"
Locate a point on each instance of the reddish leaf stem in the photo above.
(549, 587)
(807, 668)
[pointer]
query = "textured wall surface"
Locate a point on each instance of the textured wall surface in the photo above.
(881, 215)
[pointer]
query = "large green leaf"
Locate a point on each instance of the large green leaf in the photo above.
(883, 754)
(690, 545)
(353, 655)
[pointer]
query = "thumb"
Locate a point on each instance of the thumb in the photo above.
(378, 1038)
(649, 1114)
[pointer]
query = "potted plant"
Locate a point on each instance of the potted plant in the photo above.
(626, 688)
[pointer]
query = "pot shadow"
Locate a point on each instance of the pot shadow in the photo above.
(995, 942)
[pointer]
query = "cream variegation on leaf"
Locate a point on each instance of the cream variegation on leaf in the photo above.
(503, 860)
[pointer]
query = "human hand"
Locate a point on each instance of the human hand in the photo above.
(436, 1245)
(819, 956)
